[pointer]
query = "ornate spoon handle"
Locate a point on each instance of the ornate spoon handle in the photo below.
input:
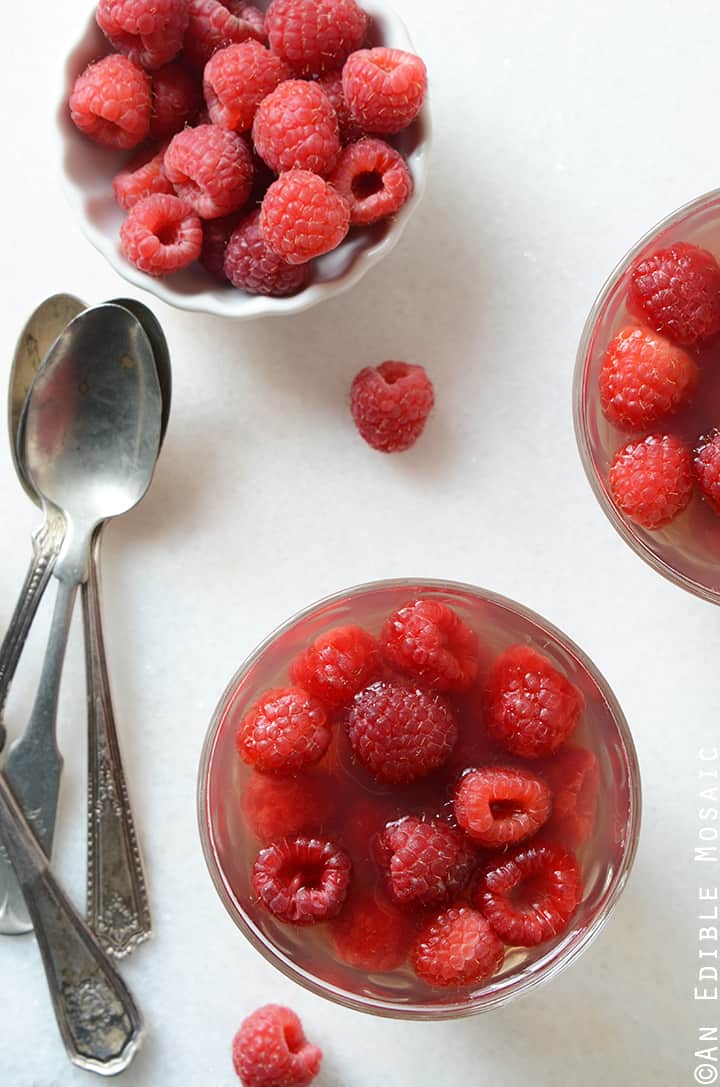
(100, 1023)
(118, 911)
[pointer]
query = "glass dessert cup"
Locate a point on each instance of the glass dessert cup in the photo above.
(303, 953)
(687, 551)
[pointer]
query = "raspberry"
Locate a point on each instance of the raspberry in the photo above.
(429, 641)
(706, 468)
(424, 863)
(213, 24)
(331, 83)
(303, 217)
(398, 734)
(390, 405)
(529, 895)
(574, 778)
(276, 807)
(161, 235)
(644, 378)
(216, 235)
(251, 265)
(677, 291)
(149, 32)
(296, 127)
(237, 79)
(499, 806)
(210, 168)
(384, 88)
(302, 880)
(457, 948)
(651, 481)
(270, 1050)
(110, 103)
(337, 665)
(315, 36)
(143, 176)
(175, 100)
(374, 179)
(286, 730)
(532, 708)
(371, 934)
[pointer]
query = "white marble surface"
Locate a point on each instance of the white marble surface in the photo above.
(562, 133)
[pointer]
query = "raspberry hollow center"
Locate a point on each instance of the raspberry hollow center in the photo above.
(367, 184)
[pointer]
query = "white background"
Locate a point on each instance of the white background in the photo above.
(563, 131)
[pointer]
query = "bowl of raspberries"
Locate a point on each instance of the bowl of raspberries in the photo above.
(242, 159)
(419, 799)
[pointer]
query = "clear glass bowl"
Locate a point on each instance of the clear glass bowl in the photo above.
(688, 550)
(230, 848)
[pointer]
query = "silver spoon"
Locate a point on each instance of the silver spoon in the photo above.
(89, 439)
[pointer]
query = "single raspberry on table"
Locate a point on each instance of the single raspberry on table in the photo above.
(315, 36)
(214, 24)
(384, 88)
(424, 863)
(251, 265)
(532, 708)
(706, 468)
(350, 130)
(457, 948)
(216, 235)
(430, 642)
(400, 734)
(644, 377)
(677, 291)
(302, 880)
(149, 32)
(371, 933)
(303, 217)
(284, 807)
(270, 1050)
(498, 805)
(210, 168)
(529, 895)
(110, 102)
(176, 100)
(390, 404)
(285, 731)
(337, 665)
(296, 127)
(143, 176)
(374, 179)
(161, 235)
(574, 777)
(651, 481)
(237, 79)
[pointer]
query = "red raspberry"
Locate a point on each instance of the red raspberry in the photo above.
(457, 948)
(429, 641)
(390, 405)
(276, 807)
(398, 734)
(574, 778)
(149, 32)
(237, 79)
(251, 265)
(337, 665)
(644, 378)
(371, 934)
(677, 290)
(270, 1050)
(706, 467)
(210, 168)
(110, 103)
(499, 806)
(651, 481)
(161, 235)
(216, 235)
(532, 708)
(350, 130)
(296, 127)
(384, 88)
(315, 36)
(213, 24)
(286, 730)
(374, 179)
(303, 217)
(529, 895)
(175, 100)
(424, 863)
(143, 176)
(302, 880)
